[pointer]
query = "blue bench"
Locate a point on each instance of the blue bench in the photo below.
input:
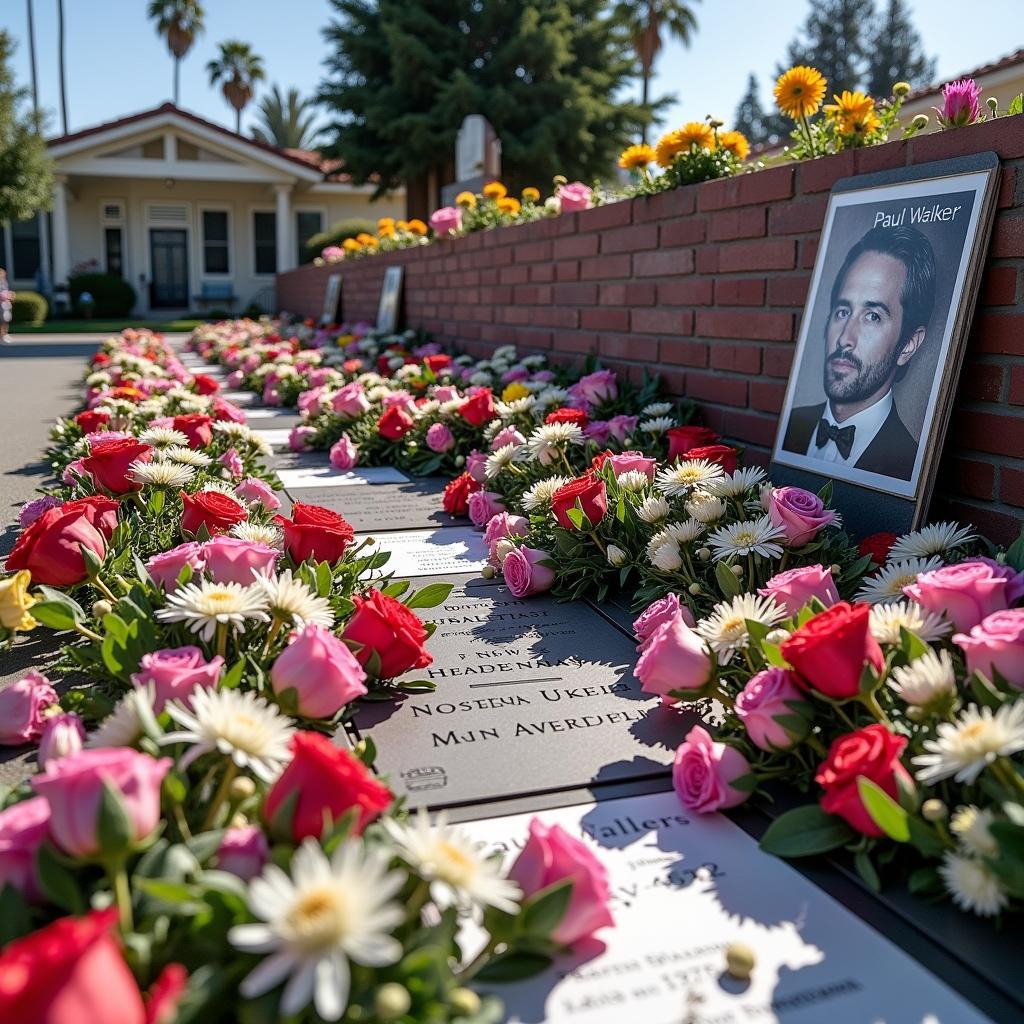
(216, 293)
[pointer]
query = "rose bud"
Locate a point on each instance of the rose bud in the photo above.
(384, 626)
(800, 513)
(23, 708)
(996, 644)
(965, 593)
(674, 657)
(769, 707)
(244, 851)
(23, 827)
(316, 534)
(704, 773)
(794, 588)
(592, 496)
(316, 674)
(62, 735)
(528, 571)
(175, 672)
(212, 509)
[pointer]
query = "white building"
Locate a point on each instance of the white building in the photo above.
(191, 214)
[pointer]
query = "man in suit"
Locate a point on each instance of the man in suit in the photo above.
(881, 304)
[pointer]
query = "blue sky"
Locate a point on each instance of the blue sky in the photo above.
(116, 64)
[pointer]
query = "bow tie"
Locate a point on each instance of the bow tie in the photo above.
(843, 437)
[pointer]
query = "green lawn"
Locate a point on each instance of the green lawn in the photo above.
(102, 326)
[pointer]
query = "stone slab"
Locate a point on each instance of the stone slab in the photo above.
(386, 507)
(313, 471)
(437, 552)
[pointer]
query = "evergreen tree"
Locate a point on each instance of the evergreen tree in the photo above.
(895, 53)
(404, 73)
(750, 117)
(26, 173)
(834, 40)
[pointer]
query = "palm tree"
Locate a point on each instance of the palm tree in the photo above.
(645, 20)
(62, 66)
(240, 69)
(286, 122)
(178, 22)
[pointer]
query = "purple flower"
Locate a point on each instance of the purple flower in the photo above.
(33, 509)
(961, 104)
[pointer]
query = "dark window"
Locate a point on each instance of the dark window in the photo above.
(265, 233)
(307, 224)
(3, 247)
(113, 242)
(215, 242)
(25, 248)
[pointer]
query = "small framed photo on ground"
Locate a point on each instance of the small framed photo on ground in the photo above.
(332, 299)
(390, 300)
(883, 335)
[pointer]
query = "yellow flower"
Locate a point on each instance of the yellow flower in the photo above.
(530, 194)
(509, 205)
(799, 91)
(363, 238)
(417, 227)
(466, 199)
(853, 105)
(371, 242)
(671, 144)
(513, 391)
(15, 601)
(386, 230)
(860, 126)
(401, 225)
(636, 156)
(351, 245)
(735, 143)
(495, 190)
(385, 222)
(699, 132)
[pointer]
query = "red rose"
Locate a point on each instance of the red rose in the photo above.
(99, 510)
(51, 546)
(212, 509)
(394, 424)
(109, 463)
(589, 491)
(877, 546)
(720, 453)
(205, 385)
(92, 419)
(457, 492)
(100, 359)
(386, 627)
(325, 782)
(437, 363)
(598, 461)
(873, 752)
(830, 650)
(196, 427)
(316, 533)
(479, 409)
(225, 411)
(566, 415)
(682, 439)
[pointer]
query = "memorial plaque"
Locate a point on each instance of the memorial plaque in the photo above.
(532, 695)
(684, 887)
(617, 608)
(437, 552)
(415, 505)
(276, 437)
(240, 397)
(265, 412)
(320, 473)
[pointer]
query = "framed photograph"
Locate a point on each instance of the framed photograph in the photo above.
(390, 300)
(883, 334)
(332, 299)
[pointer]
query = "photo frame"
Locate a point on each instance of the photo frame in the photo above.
(389, 307)
(332, 301)
(882, 339)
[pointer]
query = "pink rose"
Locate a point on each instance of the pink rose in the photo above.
(800, 513)
(506, 436)
(234, 379)
(551, 855)
(483, 505)
(232, 462)
(22, 708)
(440, 438)
(231, 560)
(320, 672)
(300, 439)
(524, 572)
(575, 196)
(165, 568)
(73, 787)
(344, 455)
(665, 609)
(996, 644)
(1014, 579)
(244, 851)
(475, 463)
(599, 386)
(254, 491)
(446, 220)
(33, 509)
(633, 462)
(78, 469)
(271, 396)
(309, 401)
(704, 771)
(766, 708)
(445, 392)
(622, 427)
(175, 672)
(62, 735)
(964, 593)
(792, 589)
(501, 527)
(673, 657)
(23, 827)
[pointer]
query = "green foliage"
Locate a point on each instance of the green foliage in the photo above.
(112, 295)
(403, 75)
(896, 54)
(751, 118)
(29, 308)
(286, 121)
(336, 234)
(806, 831)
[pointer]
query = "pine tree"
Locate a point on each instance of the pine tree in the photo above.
(896, 54)
(834, 40)
(750, 117)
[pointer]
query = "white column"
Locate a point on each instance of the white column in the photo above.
(285, 234)
(61, 242)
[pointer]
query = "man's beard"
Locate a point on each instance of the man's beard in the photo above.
(864, 383)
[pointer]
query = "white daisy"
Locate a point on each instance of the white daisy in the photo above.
(632, 480)
(517, 407)
(887, 584)
(123, 726)
(653, 509)
(657, 424)
(500, 459)
(161, 474)
(931, 540)
(450, 860)
(187, 457)
(233, 431)
(887, 619)
(236, 723)
(757, 536)
(259, 533)
(656, 409)
(448, 409)
(162, 437)
(548, 440)
(666, 556)
(206, 605)
(966, 747)
(732, 485)
(552, 397)
(705, 508)
(684, 476)
(290, 601)
(725, 629)
(675, 533)
(327, 913)
(927, 680)
(971, 826)
(973, 885)
(538, 497)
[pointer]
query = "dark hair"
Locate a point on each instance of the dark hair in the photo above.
(914, 251)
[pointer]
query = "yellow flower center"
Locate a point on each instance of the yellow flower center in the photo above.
(319, 918)
(734, 628)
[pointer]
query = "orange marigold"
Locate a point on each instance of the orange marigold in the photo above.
(509, 205)
(736, 143)
(530, 194)
(799, 91)
(699, 133)
(351, 245)
(385, 222)
(466, 199)
(637, 156)
(417, 227)
(495, 190)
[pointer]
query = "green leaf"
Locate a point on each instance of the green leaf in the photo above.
(396, 589)
(514, 966)
(93, 563)
(867, 871)
(924, 838)
(728, 583)
(430, 596)
(116, 627)
(58, 883)
(806, 831)
(911, 644)
(114, 829)
(233, 677)
(544, 911)
(324, 579)
(54, 614)
(773, 654)
(884, 811)
(578, 518)
(15, 920)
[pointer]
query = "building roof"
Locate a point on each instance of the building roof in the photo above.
(1003, 64)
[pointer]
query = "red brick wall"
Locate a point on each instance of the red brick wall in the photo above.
(705, 285)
